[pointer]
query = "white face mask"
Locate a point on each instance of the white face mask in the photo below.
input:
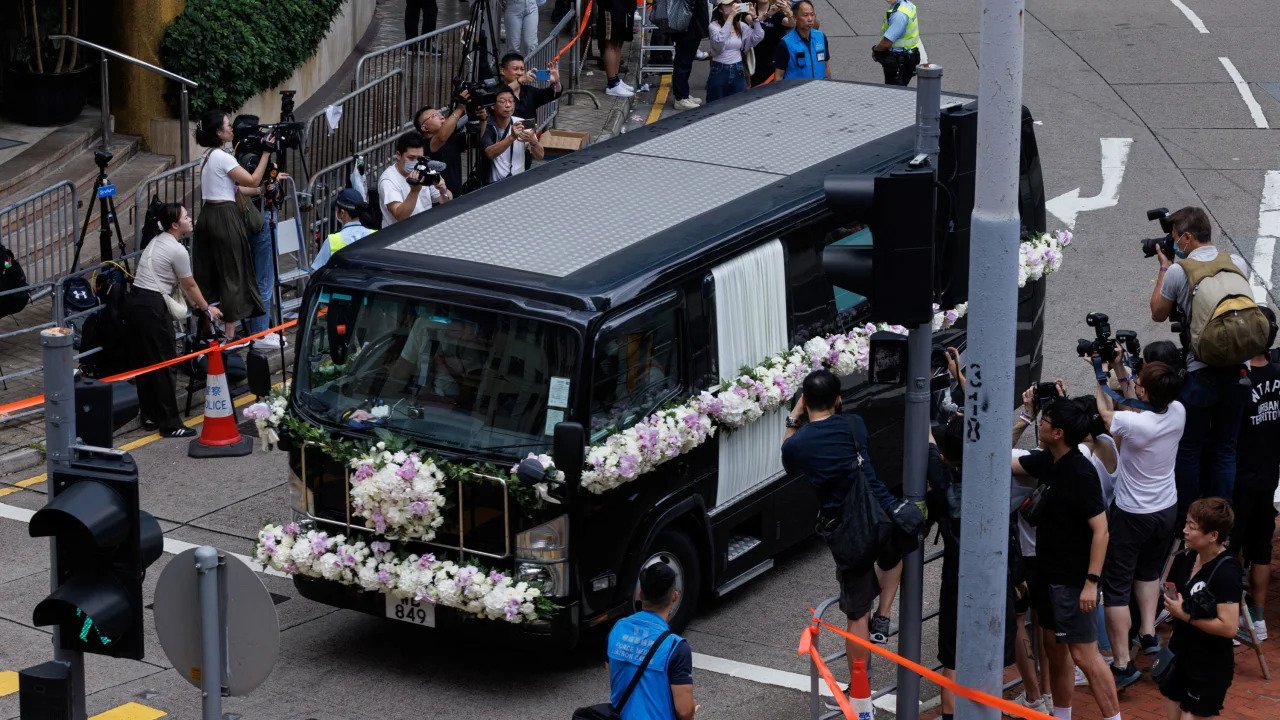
(409, 165)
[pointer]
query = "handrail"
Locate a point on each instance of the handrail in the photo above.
(397, 46)
(183, 83)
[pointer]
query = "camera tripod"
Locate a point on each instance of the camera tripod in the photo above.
(105, 192)
(479, 45)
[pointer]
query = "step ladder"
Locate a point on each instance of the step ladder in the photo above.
(647, 27)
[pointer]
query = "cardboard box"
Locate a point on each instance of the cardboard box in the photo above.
(564, 141)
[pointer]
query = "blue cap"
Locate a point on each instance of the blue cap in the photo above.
(349, 199)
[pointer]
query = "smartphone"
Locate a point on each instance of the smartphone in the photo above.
(1170, 590)
(542, 75)
(744, 7)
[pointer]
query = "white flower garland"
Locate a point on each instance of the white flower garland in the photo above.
(397, 494)
(372, 567)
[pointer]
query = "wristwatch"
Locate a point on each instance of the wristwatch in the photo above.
(794, 423)
(1095, 579)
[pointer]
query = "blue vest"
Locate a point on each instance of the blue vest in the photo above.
(813, 63)
(629, 641)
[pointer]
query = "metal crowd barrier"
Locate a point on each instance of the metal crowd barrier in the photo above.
(429, 63)
(180, 185)
(41, 231)
(371, 113)
(540, 57)
(329, 181)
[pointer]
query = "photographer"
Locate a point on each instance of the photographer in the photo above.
(1203, 596)
(1213, 396)
(264, 249)
(515, 76)
(1141, 518)
(401, 186)
(730, 38)
(776, 19)
(222, 256)
(1071, 542)
(445, 142)
(508, 145)
(347, 208)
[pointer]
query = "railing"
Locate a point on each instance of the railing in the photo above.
(540, 57)
(180, 185)
(329, 181)
(41, 231)
(428, 61)
(184, 86)
(371, 113)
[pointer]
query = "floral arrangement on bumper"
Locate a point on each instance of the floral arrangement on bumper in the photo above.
(374, 567)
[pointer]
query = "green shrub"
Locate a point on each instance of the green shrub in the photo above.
(236, 49)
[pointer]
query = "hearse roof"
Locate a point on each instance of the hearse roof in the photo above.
(600, 225)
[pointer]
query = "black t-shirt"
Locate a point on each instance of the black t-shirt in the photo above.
(451, 155)
(765, 49)
(531, 98)
(1258, 444)
(1064, 538)
(680, 666)
(823, 451)
(1188, 642)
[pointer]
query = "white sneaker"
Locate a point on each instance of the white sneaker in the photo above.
(274, 341)
(1041, 705)
(685, 104)
(620, 90)
(626, 85)
(696, 100)
(1080, 678)
(1260, 629)
(702, 55)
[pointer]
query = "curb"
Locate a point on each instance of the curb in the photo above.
(21, 459)
(613, 123)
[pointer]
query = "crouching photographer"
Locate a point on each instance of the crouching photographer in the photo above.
(412, 184)
(509, 144)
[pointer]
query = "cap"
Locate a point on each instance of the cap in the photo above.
(349, 199)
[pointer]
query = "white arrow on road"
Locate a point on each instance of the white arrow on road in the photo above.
(1268, 232)
(1115, 153)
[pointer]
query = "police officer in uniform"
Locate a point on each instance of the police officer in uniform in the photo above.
(803, 52)
(348, 208)
(899, 47)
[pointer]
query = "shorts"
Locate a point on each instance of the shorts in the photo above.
(858, 591)
(895, 548)
(1255, 523)
(1137, 550)
(1196, 690)
(615, 21)
(1058, 610)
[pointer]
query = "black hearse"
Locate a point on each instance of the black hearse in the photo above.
(594, 290)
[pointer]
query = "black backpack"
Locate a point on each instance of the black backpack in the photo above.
(14, 295)
(107, 327)
(861, 529)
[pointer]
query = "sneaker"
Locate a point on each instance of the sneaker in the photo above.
(1260, 629)
(830, 703)
(1040, 705)
(148, 425)
(685, 104)
(1126, 676)
(696, 100)
(1081, 680)
(1149, 644)
(182, 432)
(626, 85)
(620, 90)
(274, 341)
(702, 55)
(880, 628)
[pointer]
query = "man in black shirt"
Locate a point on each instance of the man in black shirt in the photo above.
(446, 141)
(516, 76)
(823, 445)
(1257, 474)
(1071, 544)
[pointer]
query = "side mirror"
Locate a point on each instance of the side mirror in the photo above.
(529, 472)
(258, 369)
(569, 450)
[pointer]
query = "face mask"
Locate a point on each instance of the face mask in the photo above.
(409, 165)
(1178, 252)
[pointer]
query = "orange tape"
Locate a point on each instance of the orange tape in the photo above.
(1008, 708)
(31, 402)
(808, 647)
(582, 27)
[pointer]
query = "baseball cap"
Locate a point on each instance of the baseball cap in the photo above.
(349, 199)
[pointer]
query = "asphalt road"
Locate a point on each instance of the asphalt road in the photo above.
(1140, 73)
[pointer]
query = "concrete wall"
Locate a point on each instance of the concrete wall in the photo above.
(348, 28)
(137, 93)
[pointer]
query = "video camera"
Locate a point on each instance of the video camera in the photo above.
(1164, 242)
(250, 135)
(481, 95)
(1102, 344)
(426, 171)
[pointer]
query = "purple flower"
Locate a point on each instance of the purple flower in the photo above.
(379, 547)
(269, 543)
(384, 577)
(418, 508)
(348, 560)
(319, 543)
(364, 472)
(496, 577)
(291, 568)
(423, 595)
(292, 529)
(833, 357)
(692, 421)
(465, 576)
(513, 608)
(627, 465)
(426, 561)
(407, 471)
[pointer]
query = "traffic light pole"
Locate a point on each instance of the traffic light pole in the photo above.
(915, 454)
(208, 567)
(989, 362)
(60, 435)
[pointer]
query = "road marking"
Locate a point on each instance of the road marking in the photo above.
(22, 485)
(1259, 119)
(1115, 154)
(659, 100)
(1195, 19)
(130, 711)
(1268, 232)
(889, 703)
(755, 673)
(8, 682)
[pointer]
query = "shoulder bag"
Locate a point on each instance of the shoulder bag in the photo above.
(606, 711)
(862, 528)
(178, 309)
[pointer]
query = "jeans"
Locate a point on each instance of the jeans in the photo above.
(522, 25)
(686, 44)
(1206, 466)
(264, 272)
(724, 80)
(413, 9)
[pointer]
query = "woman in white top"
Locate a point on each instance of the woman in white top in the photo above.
(222, 256)
(729, 39)
(164, 265)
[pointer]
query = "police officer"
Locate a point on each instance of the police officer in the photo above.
(803, 52)
(348, 208)
(899, 48)
(665, 690)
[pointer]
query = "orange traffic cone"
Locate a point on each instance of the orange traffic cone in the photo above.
(860, 692)
(219, 436)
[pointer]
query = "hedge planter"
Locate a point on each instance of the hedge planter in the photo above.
(44, 100)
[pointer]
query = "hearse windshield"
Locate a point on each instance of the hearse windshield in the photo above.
(452, 377)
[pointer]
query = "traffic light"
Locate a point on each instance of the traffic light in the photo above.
(103, 545)
(896, 272)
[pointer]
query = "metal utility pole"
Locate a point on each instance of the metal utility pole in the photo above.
(989, 366)
(59, 436)
(212, 630)
(915, 443)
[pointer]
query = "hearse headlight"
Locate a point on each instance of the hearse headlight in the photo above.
(542, 556)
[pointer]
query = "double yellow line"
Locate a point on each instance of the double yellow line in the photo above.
(659, 100)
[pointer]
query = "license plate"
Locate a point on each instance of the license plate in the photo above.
(411, 611)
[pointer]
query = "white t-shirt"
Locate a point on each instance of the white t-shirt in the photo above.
(394, 188)
(510, 162)
(162, 265)
(215, 179)
(1022, 487)
(1148, 450)
(1105, 476)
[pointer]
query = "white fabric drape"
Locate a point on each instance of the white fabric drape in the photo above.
(751, 324)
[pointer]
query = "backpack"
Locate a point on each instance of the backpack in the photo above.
(13, 285)
(862, 528)
(1225, 324)
(107, 328)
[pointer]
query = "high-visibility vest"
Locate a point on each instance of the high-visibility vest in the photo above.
(910, 39)
(805, 59)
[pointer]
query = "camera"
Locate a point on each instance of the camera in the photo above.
(426, 171)
(1164, 242)
(481, 95)
(1132, 349)
(937, 356)
(1046, 392)
(1102, 343)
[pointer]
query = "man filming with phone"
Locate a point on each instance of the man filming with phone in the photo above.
(401, 186)
(515, 75)
(508, 143)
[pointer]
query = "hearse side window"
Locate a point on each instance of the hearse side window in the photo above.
(637, 369)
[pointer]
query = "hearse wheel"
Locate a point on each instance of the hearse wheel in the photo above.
(674, 548)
